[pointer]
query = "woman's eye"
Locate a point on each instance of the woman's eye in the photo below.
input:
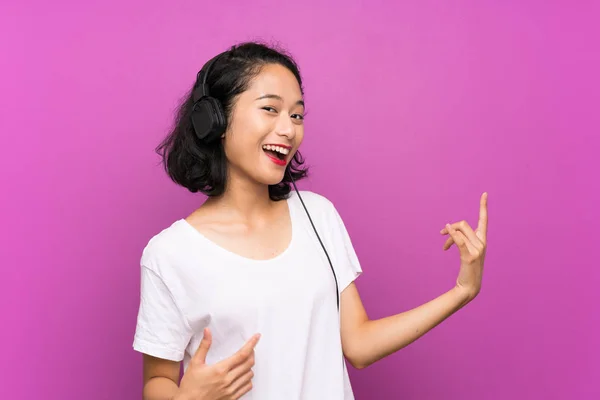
(273, 110)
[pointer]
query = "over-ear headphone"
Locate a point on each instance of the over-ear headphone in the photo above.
(208, 117)
(209, 122)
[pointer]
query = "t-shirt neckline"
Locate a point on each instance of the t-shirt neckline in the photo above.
(239, 257)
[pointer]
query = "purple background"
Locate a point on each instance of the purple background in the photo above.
(414, 109)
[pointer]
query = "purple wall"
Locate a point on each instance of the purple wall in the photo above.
(413, 111)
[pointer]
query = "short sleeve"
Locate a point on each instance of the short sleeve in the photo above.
(346, 264)
(162, 330)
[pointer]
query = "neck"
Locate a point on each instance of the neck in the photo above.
(244, 198)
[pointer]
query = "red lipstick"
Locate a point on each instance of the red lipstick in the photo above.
(276, 160)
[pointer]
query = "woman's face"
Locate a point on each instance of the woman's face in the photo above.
(266, 126)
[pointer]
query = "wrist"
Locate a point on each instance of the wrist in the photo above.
(464, 295)
(180, 396)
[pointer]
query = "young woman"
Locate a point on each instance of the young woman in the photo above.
(254, 290)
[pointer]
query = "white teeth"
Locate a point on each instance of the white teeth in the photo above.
(278, 149)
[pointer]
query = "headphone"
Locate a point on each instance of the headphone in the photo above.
(208, 117)
(209, 123)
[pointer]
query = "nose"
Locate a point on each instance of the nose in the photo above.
(285, 126)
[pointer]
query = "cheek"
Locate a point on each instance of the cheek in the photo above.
(241, 147)
(235, 148)
(299, 135)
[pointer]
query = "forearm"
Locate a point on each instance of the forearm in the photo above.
(376, 339)
(160, 388)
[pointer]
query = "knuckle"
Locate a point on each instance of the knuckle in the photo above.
(221, 371)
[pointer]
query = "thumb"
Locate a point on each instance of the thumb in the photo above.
(205, 343)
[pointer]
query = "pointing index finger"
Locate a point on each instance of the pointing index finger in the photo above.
(483, 216)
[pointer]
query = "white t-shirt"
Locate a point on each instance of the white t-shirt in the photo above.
(189, 282)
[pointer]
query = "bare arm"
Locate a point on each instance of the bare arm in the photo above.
(366, 341)
(161, 378)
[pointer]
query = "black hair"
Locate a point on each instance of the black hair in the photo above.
(202, 167)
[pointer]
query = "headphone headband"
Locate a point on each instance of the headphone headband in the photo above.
(201, 90)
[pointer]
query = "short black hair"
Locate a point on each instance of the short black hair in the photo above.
(202, 167)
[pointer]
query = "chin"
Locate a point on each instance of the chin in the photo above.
(270, 174)
(268, 177)
(273, 179)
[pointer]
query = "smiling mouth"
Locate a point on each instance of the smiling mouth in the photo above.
(278, 152)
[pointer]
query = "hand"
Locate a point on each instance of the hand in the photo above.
(472, 247)
(228, 379)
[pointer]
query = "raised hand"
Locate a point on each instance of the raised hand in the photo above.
(472, 246)
(228, 379)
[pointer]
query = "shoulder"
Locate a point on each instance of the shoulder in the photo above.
(321, 209)
(163, 245)
(314, 201)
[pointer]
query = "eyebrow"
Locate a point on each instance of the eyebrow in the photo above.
(277, 97)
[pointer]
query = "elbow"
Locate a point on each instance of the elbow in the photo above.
(356, 348)
(356, 359)
(358, 363)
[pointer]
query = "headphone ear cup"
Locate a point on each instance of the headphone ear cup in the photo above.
(208, 119)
